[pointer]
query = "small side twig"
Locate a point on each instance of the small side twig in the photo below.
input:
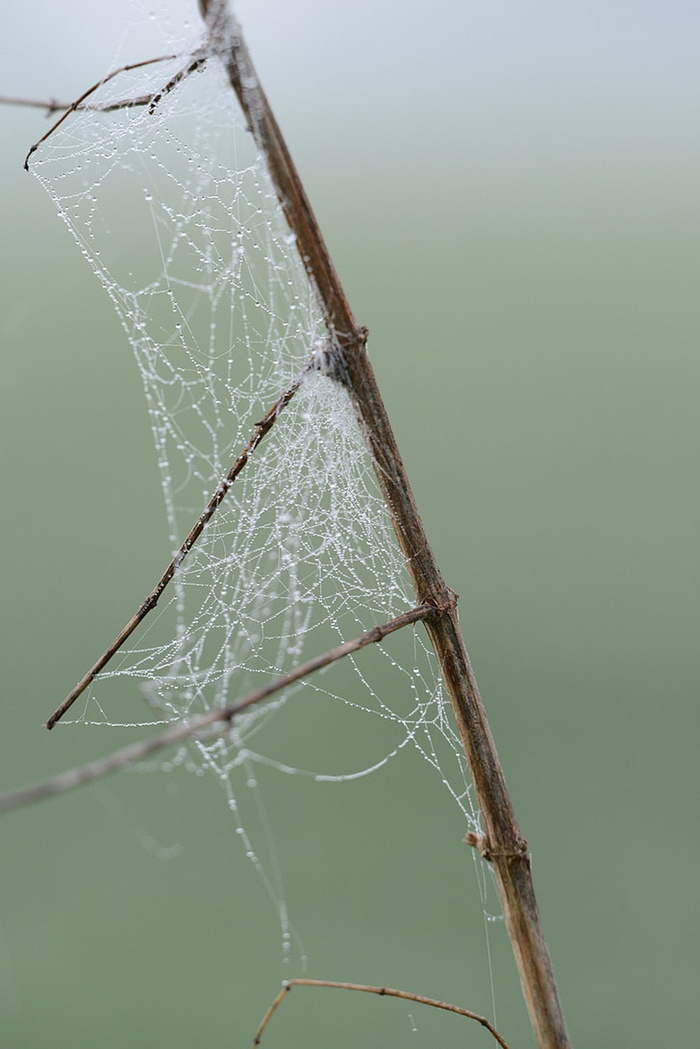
(73, 106)
(223, 716)
(196, 63)
(388, 992)
(52, 105)
(261, 428)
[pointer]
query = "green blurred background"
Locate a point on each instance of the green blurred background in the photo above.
(510, 194)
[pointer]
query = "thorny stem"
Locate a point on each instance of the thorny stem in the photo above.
(261, 428)
(504, 842)
(388, 992)
(222, 717)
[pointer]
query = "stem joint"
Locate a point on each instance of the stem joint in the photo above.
(490, 853)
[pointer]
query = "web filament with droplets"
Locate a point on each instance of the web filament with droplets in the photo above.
(177, 217)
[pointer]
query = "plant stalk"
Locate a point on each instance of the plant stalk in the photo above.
(502, 843)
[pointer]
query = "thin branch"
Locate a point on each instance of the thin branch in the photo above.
(73, 106)
(52, 105)
(181, 74)
(223, 716)
(261, 428)
(347, 341)
(388, 992)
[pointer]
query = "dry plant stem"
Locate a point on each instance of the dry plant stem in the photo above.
(505, 845)
(52, 105)
(90, 91)
(261, 428)
(222, 716)
(388, 992)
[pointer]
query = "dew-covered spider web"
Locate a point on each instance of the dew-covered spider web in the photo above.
(176, 214)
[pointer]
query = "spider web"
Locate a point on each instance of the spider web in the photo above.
(176, 214)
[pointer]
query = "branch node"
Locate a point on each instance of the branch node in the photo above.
(487, 852)
(443, 602)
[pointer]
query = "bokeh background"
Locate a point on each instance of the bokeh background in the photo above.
(510, 192)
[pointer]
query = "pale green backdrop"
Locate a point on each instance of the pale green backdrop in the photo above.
(510, 193)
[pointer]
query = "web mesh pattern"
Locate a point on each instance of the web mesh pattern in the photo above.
(175, 213)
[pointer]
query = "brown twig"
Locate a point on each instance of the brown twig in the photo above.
(347, 341)
(52, 105)
(223, 716)
(261, 428)
(388, 992)
(73, 106)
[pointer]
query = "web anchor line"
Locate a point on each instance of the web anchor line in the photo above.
(222, 716)
(261, 428)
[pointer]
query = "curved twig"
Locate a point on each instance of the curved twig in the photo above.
(388, 992)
